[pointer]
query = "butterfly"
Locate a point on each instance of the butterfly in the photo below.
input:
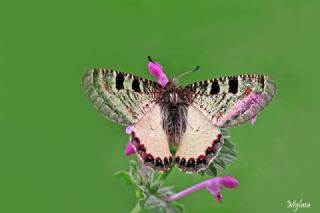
(188, 118)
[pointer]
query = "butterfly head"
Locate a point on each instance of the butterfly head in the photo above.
(175, 94)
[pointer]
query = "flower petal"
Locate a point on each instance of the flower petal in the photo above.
(214, 185)
(157, 71)
(219, 197)
(129, 129)
(130, 149)
(163, 81)
(144, 169)
(228, 182)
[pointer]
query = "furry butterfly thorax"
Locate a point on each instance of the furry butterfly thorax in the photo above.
(174, 102)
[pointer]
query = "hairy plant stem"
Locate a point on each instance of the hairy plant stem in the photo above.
(165, 175)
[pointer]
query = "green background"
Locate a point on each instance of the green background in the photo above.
(58, 154)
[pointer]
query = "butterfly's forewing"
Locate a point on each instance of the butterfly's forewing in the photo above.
(120, 97)
(233, 100)
(199, 144)
(150, 141)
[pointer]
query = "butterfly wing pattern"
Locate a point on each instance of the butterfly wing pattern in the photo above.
(219, 103)
(150, 141)
(230, 101)
(210, 105)
(200, 143)
(120, 97)
(128, 99)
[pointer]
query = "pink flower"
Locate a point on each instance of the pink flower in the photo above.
(129, 129)
(144, 169)
(130, 149)
(157, 71)
(213, 185)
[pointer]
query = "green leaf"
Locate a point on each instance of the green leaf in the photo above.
(227, 154)
(154, 202)
(140, 193)
(162, 205)
(150, 190)
(179, 207)
(201, 172)
(165, 191)
(150, 177)
(155, 186)
(134, 166)
(219, 164)
(211, 170)
(228, 158)
(225, 133)
(134, 171)
(229, 144)
(226, 150)
(137, 207)
(125, 176)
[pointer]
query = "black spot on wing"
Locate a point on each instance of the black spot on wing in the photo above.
(222, 79)
(119, 81)
(192, 87)
(233, 85)
(261, 81)
(136, 85)
(95, 72)
(204, 84)
(215, 89)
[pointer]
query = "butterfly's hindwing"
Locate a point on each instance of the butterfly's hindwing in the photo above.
(200, 144)
(150, 141)
(121, 97)
(233, 100)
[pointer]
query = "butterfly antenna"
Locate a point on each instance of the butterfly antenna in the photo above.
(185, 73)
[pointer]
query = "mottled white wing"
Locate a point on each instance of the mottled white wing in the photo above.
(150, 141)
(120, 97)
(232, 100)
(200, 143)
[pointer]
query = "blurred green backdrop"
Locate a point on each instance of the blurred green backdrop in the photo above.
(58, 154)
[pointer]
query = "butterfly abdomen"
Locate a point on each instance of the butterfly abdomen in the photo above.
(174, 121)
(174, 107)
